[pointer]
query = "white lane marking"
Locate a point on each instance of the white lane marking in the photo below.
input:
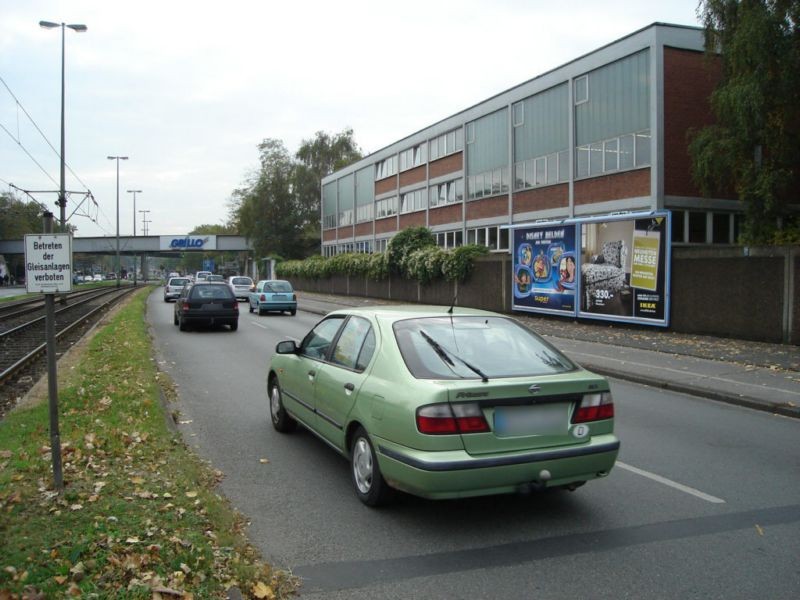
(672, 484)
(259, 325)
(709, 377)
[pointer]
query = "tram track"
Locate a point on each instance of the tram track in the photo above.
(23, 346)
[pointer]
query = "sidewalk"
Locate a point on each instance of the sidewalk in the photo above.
(753, 374)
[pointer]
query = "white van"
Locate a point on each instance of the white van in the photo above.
(202, 275)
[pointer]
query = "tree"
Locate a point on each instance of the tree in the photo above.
(18, 218)
(754, 146)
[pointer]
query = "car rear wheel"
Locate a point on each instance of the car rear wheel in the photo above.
(174, 319)
(293, 311)
(234, 326)
(281, 420)
(261, 311)
(181, 325)
(369, 484)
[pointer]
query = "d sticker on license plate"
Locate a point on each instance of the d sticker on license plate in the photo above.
(544, 419)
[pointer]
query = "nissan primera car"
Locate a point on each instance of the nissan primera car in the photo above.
(443, 403)
(273, 295)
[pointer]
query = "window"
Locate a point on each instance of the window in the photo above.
(412, 201)
(623, 152)
(329, 221)
(446, 193)
(447, 143)
(643, 148)
(470, 133)
(347, 350)
(413, 157)
(449, 239)
(386, 168)
(721, 228)
(380, 245)
(582, 89)
(386, 207)
(611, 155)
(490, 183)
(318, 341)
(697, 228)
(626, 151)
(346, 218)
(364, 213)
(492, 237)
(678, 226)
(518, 114)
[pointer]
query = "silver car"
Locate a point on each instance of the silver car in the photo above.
(173, 288)
(241, 286)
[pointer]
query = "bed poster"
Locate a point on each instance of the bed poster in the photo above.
(623, 269)
(545, 269)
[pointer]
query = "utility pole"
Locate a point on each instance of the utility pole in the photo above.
(135, 258)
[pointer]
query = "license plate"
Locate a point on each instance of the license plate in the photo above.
(544, 419)
(212, 306)
(279, 297)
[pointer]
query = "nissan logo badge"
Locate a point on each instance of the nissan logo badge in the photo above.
(534, 388)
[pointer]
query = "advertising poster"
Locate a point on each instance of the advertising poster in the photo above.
(624, 269)
(545, 269)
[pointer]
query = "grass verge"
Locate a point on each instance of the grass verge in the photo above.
(139, 517)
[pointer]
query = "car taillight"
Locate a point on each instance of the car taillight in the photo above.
(235, 305)
(263, 298)
(447, 419)
(294, 297)
(594, 407)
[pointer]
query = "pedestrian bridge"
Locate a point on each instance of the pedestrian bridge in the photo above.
(145, 244)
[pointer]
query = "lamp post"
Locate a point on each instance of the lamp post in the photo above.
(62, 194)
(119, 269)
(144, 256)
(135, 258)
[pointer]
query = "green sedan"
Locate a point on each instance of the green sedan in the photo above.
(443, 403)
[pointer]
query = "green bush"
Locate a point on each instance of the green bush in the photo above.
(425, 264)
(458, 263)
(406, 242)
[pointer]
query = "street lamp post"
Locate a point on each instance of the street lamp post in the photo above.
(135, 258)
(119, 268)
(62, 194)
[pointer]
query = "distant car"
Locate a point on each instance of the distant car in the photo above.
(175, 285)
(110, 276)
(97, 277)
(218, 278)
(273, 295)
(443, 403)
(88, 278)
(174, 274)
(206, 303)
(202, 275)
(242, 286)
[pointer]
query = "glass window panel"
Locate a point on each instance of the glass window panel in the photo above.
(470, 132)
(697, 228)
(677, 226)
(451, 142)
(519, 112)
(497, 181)
(596, 158)
(563, 165)
(492, 238)
(581, 89)
(529, 173)
(459, 190)
(433, 150)
(610, 155)
(504, 179)
(519, 175)
(552, 169)
(642, 148)
(470, 236)
(582, 160)
(481, 237)
(471, 187)
(721, 228)
(451, 191)
(459, 238)
(433, 196)
(487, 184)
(541, 171)
(503, 239)
(459, 139)
(738, 222)
(626, 151)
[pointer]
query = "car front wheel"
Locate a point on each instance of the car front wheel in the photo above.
(369, 485)
(281, 420)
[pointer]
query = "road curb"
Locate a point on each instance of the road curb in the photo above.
(737, 400)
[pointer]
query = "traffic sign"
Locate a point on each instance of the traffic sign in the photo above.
(48, 263)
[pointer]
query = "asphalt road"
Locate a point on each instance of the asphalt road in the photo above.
(704, 503)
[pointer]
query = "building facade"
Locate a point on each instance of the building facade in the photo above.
(603, 134)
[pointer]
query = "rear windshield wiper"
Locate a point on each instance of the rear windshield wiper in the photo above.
(445, 356)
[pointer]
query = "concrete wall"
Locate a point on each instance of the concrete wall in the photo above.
(744, 293)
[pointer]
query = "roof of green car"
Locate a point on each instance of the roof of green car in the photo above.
(397, 312)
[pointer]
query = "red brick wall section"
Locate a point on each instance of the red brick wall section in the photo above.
(414, 175)
(386, 225)
(386, 185)
(445, 214)
(415, 219)
(363, 229)
(488, 207)
(328, 235)
(689, 79)
(443, 166)
(630, 184)
(552, 196)
(346, 233)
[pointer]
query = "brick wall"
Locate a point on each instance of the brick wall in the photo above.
(629, 184)
(415, 219)
(445, 214)
(363, 229)
(414, 175)
(328, 235)
(448, 164)
(552, 196)
(345, 233)
(386, 185)
(487, 207)
(689, 79)
(386, 225)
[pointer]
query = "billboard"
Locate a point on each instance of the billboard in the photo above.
(613, 267)
(545, 269)
(187, 242)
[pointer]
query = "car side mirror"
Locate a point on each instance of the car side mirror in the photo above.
(286, 347)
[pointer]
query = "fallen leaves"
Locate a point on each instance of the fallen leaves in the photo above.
(261, 590)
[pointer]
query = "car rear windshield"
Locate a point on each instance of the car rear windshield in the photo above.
(241, 281)
(178, 282)
(470, 347)
(278, 286)
(211, 292)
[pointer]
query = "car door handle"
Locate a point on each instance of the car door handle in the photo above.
(349, 387)
(311, 374)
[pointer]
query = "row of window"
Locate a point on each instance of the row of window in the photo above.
(413, 157)
(490, 183)
(449, 192)
(617, 154)
(543, 170)
(412, 201)
(447, 143)
(386, 168)
(386, 207)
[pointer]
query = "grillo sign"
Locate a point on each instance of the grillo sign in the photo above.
(188, 242)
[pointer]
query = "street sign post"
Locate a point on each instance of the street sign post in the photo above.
(48, 269)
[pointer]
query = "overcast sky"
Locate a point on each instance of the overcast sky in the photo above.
(187, 89)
